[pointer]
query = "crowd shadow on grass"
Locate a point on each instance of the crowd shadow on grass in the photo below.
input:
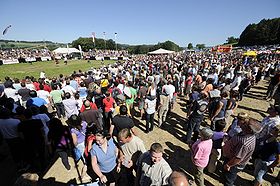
(262, 113)
(254, 96)
(174, 125)
(180, 160)
(257, 92)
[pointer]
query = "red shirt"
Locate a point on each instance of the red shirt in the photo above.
(108, 103)
(92, 106)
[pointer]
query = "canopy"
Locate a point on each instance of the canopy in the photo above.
(161, 51)
(250, 53)
(65, 50)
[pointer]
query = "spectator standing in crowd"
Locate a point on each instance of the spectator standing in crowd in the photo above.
(70, 105)
(132, 147)
(163, 108)
(56, 100)
(122, 121)
(35, 101)
(24, 93)
(150, 107)
(105, 158)
(239, 149)
(178, 179)
(152, 167)
(201, 151)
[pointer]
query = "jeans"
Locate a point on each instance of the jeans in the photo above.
(231, 175)
(193, 127)
(59, 109)
(149, 122)
(260, 169)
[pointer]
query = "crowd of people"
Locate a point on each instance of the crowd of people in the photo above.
(107, 53)
(100, 107)
(6, 54)
(23, 53)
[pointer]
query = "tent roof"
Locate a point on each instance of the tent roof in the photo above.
(161, 51)
(250, 53)
(65, 50)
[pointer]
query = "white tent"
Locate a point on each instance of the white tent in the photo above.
(161, 51)
(66, 50)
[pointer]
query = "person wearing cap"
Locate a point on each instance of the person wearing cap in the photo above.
(152, 167)
(268, 156)
(201, 151)
(238, 150)
(217, 109)
(234, 128)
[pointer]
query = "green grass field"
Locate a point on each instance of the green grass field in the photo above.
(51, 69)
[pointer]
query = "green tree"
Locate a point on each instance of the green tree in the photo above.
(190, 46)
(200, 46)
(232, 40)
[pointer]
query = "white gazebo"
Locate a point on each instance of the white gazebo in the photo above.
(161, 51)
(66, 50)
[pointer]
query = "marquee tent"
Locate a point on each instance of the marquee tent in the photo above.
(250, 53)
(161, 51)
(66, 50)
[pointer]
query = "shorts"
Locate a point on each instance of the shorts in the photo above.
(111, 176)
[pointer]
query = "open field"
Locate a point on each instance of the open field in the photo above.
(51, 69)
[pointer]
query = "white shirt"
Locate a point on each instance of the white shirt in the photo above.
(44, 95)
(235, 84)
(151, 108)
(11, 93)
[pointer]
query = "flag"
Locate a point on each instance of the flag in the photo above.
(6, 29)
(93, 36)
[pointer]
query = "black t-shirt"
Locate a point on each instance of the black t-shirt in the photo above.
(32, 131)
(121, 122)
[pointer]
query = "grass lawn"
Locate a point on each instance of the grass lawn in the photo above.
(51, 69)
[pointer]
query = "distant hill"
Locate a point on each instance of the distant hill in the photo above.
(10, 44)
(266, 32)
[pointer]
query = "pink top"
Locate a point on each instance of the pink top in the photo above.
(201, 152)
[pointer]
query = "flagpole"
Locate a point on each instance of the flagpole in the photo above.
(104, 40)
(116, 40)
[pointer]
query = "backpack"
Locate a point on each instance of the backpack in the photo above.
(115, 92)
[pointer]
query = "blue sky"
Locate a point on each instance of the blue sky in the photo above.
(136, 22)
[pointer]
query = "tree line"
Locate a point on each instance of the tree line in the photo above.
(266, 32)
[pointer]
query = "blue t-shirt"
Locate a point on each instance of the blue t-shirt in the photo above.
(106, 161)
(36, 102)
(270, 151)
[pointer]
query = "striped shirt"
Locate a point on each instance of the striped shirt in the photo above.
(240, 146)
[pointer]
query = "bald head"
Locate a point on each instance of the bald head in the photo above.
(178, 179)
